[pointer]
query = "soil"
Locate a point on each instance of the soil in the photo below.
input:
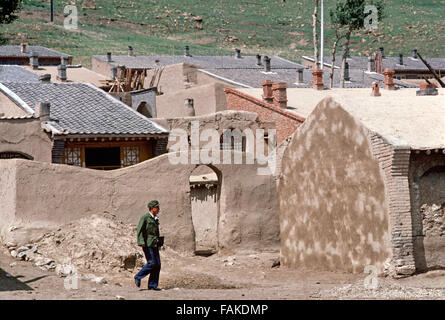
(106, 271)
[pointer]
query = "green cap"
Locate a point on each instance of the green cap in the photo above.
(153, 203)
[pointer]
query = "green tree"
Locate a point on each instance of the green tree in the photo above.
(8, 12)
(316, 41)
(349, 16)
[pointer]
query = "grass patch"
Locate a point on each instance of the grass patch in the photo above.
(272, 27)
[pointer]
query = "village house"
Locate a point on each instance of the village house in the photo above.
(75, 124)
(362, 184)
(25, 54)
(405, 68)
(178, 78)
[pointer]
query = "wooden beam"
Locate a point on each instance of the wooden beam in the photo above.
(431, 70)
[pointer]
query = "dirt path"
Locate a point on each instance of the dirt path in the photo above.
(239, 277)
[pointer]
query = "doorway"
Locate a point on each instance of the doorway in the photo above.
(204, 199)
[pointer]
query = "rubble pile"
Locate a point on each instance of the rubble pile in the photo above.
(97, 243)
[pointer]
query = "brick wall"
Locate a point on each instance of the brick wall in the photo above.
(394, 161)
(286, 122)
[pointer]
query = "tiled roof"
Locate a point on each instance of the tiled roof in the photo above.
(217, 62)
(82, 109)
(15, 51)
(389, 62)
(17, 74)
(251, 78)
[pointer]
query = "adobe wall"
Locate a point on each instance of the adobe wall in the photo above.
(50, 194)
(101, 67)
(9, 109)
(228, 119)
(207, 99)
(334, 211)
(7, 195)
(25, 136)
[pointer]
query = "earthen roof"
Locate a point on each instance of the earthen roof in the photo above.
(83, 109)
(252, 78)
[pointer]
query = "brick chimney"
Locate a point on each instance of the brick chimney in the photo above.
(375, 89)
(61, 72)
(266, 64)
(317, 82)
(258, 60)
(109, 56)
(388, 83)
(267, 91)
(382, 51)
(300, 78)
(279, 94)
(427, 89)
(189, 107)
(23, 47)
(42, 111)
(34, 60)
(130, 51)
(378, 62)
(237, 54)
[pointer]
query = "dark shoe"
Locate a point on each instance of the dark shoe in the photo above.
(155, 289)
(137, 282)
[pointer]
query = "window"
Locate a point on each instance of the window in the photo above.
(72, 156)
(131, 156)
(103, 158)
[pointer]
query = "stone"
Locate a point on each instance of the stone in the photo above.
(100, 280)
(13, 253)
(22, 254)
(21, 249)
(11, 245)
(120, 298)
(64, 270)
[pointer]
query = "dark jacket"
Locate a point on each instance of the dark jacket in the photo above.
(148, 231)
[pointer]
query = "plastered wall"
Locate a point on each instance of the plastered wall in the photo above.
(333, 204)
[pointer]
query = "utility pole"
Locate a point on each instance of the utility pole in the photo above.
(52, 10)
(322, 36)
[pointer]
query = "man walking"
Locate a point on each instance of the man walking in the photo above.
(149, 240)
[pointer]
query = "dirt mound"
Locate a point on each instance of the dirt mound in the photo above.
(97, 244)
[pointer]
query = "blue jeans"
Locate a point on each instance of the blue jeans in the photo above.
(153, 266)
